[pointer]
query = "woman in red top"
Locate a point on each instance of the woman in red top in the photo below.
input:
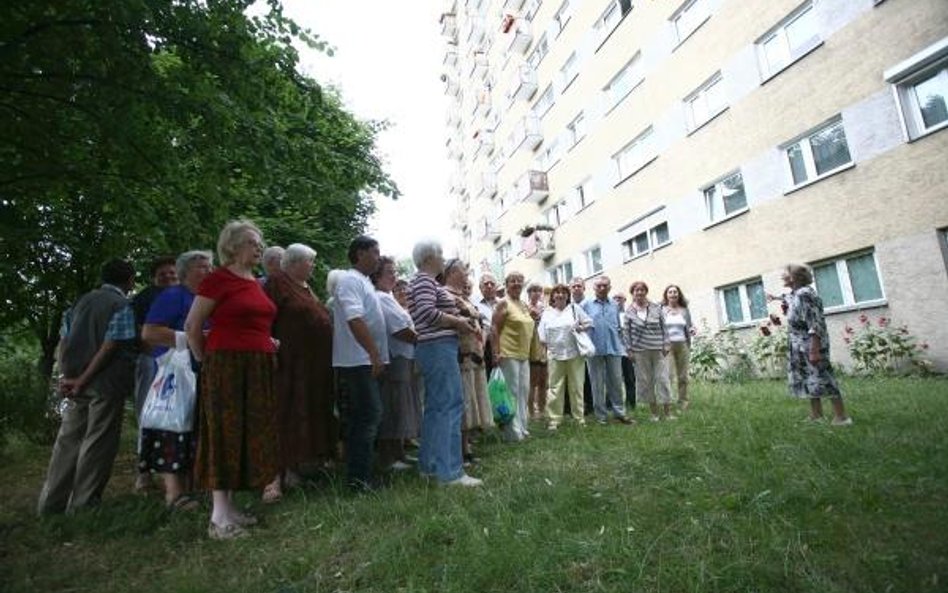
(237, 438)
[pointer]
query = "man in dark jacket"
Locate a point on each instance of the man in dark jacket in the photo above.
(97, 362)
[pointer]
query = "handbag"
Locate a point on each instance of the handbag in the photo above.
(583, 342)
(170, 402)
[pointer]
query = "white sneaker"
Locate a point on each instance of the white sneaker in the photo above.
(671, 417)
(848, 421)
(655, 419)
(399, 466)
(464, 480)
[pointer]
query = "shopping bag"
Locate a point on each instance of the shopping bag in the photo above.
(500, 401)
(170, 402)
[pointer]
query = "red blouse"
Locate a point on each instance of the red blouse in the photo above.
(243, 313)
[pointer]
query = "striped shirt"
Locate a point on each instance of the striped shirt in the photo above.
(649, 333)
(428, 302)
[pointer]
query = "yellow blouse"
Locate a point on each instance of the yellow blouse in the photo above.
(517, 332)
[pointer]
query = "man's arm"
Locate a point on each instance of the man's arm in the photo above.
(362, 335)
(72, 387)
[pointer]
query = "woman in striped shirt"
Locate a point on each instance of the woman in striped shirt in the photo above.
(647, 338)
(438, 325)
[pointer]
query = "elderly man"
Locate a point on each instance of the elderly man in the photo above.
(359, 354)
(577, 291)
(97, 362)
(485, 306)
(605, 368)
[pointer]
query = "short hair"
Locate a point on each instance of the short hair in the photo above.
(534, 285)
(332, 278)
(401, 283)
(187, 259)
(636, 284)
(559, 287)
(117, 272)
(800, 274)
(578, 280)
(681, 295)
(360, 243)
(511, 275)
(487, 276)
(295, 253)
(273, 252)
(160, 262)
(423, 250)
(385, 260)
(602, 277)
(233, 233)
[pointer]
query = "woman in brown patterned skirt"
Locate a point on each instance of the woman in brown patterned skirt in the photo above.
(237, 439)
(304, 383)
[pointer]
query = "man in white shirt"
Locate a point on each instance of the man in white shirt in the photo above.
(485, 306)
(577, 292)
(359, 354)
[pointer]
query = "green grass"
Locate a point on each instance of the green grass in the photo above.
(738, 495)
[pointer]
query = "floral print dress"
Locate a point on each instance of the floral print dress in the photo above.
(805, 319)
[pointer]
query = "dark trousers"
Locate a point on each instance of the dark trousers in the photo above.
(628, 377)
(364, 415)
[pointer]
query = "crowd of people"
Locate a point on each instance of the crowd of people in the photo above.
(289, 385)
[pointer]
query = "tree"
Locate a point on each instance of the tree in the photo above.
(139, 127)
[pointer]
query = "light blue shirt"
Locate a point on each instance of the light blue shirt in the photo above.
(606, 331)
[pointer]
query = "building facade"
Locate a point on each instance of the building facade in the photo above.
(708, 143)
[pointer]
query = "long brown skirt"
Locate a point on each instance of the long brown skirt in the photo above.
(238, 443)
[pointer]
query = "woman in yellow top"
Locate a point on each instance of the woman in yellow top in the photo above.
(512, 329)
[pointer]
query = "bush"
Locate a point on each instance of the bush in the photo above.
(770, 348)
(885, 350)
(25, 407)
(720, 356)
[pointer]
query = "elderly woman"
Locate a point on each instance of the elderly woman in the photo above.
(439, 324)
(168, 453)
(680, 329)
(238, 446)
(400, 407)
(304, 385)
(513, 331)
(647, 338)
(808, 370)
(477, 411)
(566, 365)
(536, 401)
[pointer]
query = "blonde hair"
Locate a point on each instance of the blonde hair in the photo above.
(232, 235)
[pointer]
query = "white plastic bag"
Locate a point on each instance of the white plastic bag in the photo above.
(173, 395)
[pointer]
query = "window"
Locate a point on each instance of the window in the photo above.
(789, 41)
(624, 81)
(634, 155)
(611, 18)
(726, 197)
(540, 50)
(647, 241)
(593, 258)
(689, 17)
(531, 8)
(562, 16)
(705, 103)
(848, 281)
(818, 153)
(504, 253)
(557, 214)
(743, 303)
(549, 155)
(570, 70)
(562, 273)
(921, 85)
(544, 103)
(576, 129)
(582, 195)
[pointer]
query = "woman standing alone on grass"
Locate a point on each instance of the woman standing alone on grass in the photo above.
(808, 369)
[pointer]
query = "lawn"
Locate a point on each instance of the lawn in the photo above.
(737, 495)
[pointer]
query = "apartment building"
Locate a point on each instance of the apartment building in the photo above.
(708, 143)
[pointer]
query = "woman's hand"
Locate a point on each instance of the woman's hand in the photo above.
(814, 357)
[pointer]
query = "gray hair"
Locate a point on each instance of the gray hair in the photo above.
(187, 259)
(232, 235)
(273, 253)
(425, 250)
(332, 278)
(799, 274)
(295, 253)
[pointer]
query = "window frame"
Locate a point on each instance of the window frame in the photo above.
(701, 93)
(554, 272)
(844, 279)
(629, 251)
(547, 94)
(718, 185)
(700, 20)
(503, 249)
(632, 66)
(560, 210)
(931, 62)
(576, 132)
(746, 312)
(588, 260)
(600, 25)
(793, 54)
(809, 162)
(567, 77)
(644, 141)
(542, 43)
(566, 9)
(581, 195)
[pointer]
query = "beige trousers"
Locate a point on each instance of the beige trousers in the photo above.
(678, 368)
(572, 371)
(651, 377)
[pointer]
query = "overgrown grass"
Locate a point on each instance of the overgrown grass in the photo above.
(738, 495)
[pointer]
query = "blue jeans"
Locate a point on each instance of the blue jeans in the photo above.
(607, 385)
(440, 454)
(365, 413)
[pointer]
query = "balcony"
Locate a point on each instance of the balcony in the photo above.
(451, 57)
(449, 25)
(531, 187)
(479, 66)
(475, 30)
(519, 37)
(485, 139)
(482, 103)
(452, 117)
(451, 86)
(489, 229)
(492, 119)
(523, 84)
(526, 134)
(489, 184)
(537, 242)
(454, 148)
(512, 5)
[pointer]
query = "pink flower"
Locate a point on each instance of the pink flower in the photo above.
(883, 322)
(765, 330)
(849, 330)
(903, 330)
(775, 319)
(924, 345)
(864, 319)
(847, 340)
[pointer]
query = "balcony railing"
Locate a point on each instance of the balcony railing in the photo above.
(538, 244)
(512, 4)
(526, 134)
(451, 57)
(519, 36)
(454, 147)
(475, 30)
(451, 86)
(489, 184)
(485, 139)
(479, 66)
(452, 117)
(523, 85)
(449, 25)
(531, 187)
(489, 229)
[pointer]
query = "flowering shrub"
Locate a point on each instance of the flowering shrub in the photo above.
(882, 349)
(720, 356)
(769, 348)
